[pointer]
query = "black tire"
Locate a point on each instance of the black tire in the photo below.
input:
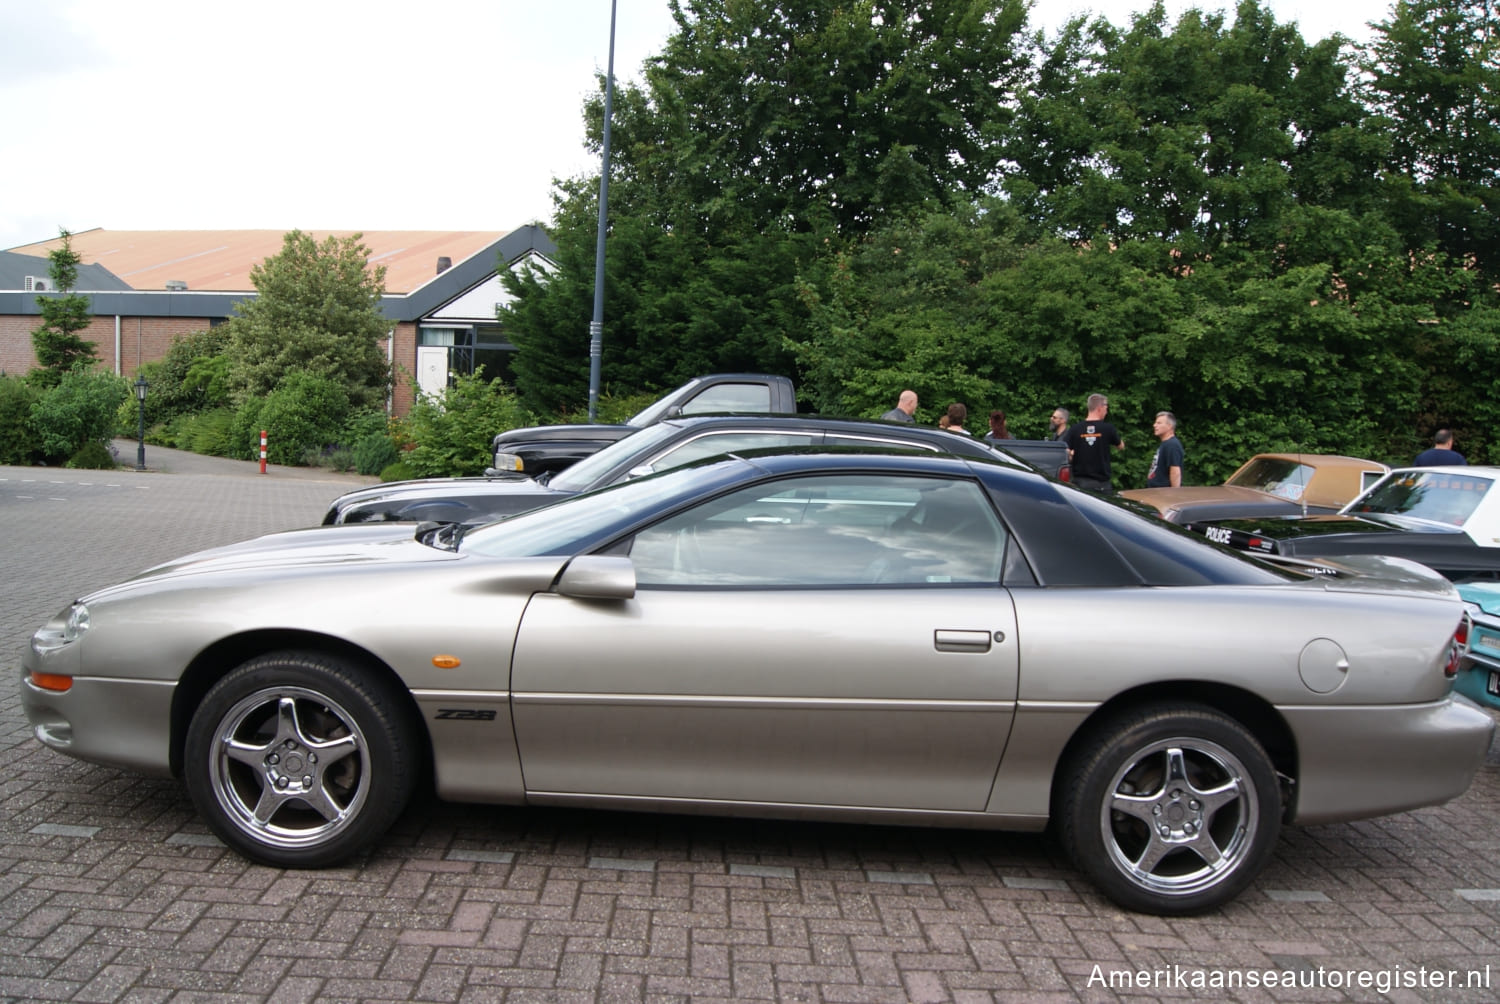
(298, 760)
(1171, 810)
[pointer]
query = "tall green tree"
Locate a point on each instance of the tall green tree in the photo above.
(318, 313)
(1434, 82)
(1200, 133)
(57, 343)
(764, 133)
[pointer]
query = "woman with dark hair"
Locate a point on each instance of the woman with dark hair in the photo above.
(998, 430)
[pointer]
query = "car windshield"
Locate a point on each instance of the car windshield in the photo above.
(1277, 476)
(1428, 495)
(586, 473)
(571, 525)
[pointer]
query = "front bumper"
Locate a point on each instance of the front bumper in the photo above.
(122, 723)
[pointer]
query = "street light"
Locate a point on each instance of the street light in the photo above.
(140, 397)
(596, 328)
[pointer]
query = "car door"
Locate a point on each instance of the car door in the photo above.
(831, 640)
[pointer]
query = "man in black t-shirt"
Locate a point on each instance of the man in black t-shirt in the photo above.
(1166, 466)
(1089, 443)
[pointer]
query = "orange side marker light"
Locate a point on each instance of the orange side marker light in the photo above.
(52, 681)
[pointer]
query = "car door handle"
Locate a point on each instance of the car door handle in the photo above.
(963, 641)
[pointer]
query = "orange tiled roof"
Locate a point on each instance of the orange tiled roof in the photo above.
(221, 259)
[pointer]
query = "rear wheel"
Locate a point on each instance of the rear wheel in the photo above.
(298, 760)
(1171, 811)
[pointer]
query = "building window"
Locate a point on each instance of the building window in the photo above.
(472, 347)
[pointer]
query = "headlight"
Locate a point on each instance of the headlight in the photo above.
(509, 462)
(63, 630)
(77, 623)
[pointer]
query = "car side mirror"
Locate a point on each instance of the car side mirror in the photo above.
(598, 577)
(639, 472)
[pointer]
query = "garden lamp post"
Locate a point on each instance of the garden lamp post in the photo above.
(140, 398)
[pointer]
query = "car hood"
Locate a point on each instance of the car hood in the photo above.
(1288, 527)
(323, 547)
(1165, 498)
(438, 488)
(544, 433)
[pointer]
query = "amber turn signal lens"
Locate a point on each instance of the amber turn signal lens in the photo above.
(52, 681)
(446, 661)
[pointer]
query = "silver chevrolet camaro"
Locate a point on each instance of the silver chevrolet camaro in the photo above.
(890, 638)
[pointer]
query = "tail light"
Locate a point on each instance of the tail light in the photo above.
(1458, 648)
(1065, 472)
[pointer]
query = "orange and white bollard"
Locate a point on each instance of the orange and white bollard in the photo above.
(263, 451)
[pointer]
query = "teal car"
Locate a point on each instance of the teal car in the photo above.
(1480, 678)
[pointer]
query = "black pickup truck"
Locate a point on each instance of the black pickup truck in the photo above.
(665, 445)
(544, 448)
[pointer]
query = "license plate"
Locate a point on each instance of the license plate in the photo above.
(1493, 687)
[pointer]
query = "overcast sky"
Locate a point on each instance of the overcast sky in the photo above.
(339, 114)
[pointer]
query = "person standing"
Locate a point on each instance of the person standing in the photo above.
(1442, 453)
(957, 414)
(1057, 428)
(1089, 443)
(905, 410)
(998, 430)
(1166, 466)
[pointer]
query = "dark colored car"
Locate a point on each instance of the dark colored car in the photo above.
(1447, 518)
(659, 447)
(547, 449)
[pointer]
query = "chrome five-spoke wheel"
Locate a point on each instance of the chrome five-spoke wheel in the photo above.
(290, 766)
(1170, 810)
(301, 760)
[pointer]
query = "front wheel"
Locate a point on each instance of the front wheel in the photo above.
(1174, 810)
(298, 760)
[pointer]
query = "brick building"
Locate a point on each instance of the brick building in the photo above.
(147, 287)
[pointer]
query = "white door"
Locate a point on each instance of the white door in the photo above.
(432, 369)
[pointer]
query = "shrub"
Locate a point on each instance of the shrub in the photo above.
(399, 471)
(305, 412)
(81, 409)
(365, 422)
(210, 433)
(374, 453)
(93, 456)
(453, 433)
(615, 409)
(19, 443)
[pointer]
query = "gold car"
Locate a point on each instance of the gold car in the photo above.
(1268, 484)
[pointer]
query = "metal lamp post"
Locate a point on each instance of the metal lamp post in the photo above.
(140, 397)
(596, 328)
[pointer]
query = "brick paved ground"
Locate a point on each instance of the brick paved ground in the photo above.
(111, 888)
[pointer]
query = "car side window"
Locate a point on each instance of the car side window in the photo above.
(830, 530)
(715, 443)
